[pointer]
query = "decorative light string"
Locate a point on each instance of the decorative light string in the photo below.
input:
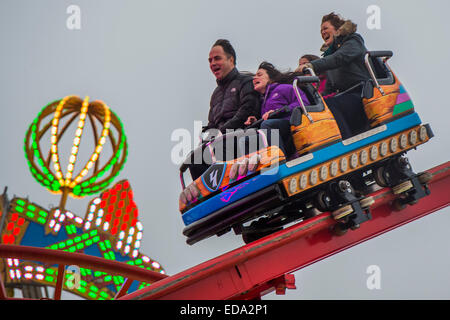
(76, 141)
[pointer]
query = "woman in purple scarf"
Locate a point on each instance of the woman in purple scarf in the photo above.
(276, 92)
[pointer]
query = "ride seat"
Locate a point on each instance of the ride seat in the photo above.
(383, 92)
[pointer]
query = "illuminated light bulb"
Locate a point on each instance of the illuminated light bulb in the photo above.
(303, 181)
(293, 185)
(105, 226)
(323, 173)
(52, 223)
(12, 275)
(100, 212)
(39, 276)
(53, 149)
(83, 116)
(135, 253)
(97, 201)
(333, 169)
(155, 265)
(28, 276)
(121, 235)
(137, 244)
(344, 164)
(353, 161)
(373, 153)
(40, 269)
(94, 157)
(146, 259)
(78, 132)
(98, 149)
(119, 245)
(139, 236)
(72, 160)
(69, 214)
(88, 166)
(78, 220)
(393, 145)
(18, 274)
(313, 177)
(363, 157)
(102, 140)
(92, 208)
(127, 249)
(10, 262)
(57, 227)
(28, 268)
(129, 239)
(54, 131)
(81, 124)
(76, 141)
(423, 133)
(87, 225)
(139, 226)
(413, 137)
(403, 141)
(131, 232)
(53, 139)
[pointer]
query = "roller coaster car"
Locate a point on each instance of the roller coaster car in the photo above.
(258, 193)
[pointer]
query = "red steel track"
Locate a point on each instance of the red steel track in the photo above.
(261, 266)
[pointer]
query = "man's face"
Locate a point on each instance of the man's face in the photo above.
(219, 63)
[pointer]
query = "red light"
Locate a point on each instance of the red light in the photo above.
(121, 204)
(110, 208)
(123, 194)
(126, 185)
(118, 213)
(105, 195)
(123, 227)
(108, 217)
(16, 231)
(130, 194)
(126, 217)
(129, 208)
(14, 216)
(10, 226)
(21, 221)
(113, 199)
(136, 212)
(118, 187)
(103, 204)
(133, 222)
(114, 230)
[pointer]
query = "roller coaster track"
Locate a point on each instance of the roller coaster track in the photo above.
(260, 267)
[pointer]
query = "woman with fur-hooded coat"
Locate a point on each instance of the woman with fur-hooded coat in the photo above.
(343, 62)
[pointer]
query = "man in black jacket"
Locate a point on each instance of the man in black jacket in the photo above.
(234, 99)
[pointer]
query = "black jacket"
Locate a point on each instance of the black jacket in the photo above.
(343, 61)
(233, 101)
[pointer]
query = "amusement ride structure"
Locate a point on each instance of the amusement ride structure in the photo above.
(97, 257)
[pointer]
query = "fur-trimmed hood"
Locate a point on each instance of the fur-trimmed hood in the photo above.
(349, 27)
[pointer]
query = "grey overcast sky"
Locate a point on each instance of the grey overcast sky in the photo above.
(148, 61)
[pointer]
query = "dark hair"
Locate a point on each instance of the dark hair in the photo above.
(336, 20)
(272, 72)
(309, 57)
(227, 48)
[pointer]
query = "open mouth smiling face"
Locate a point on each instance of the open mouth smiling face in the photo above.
(260, 80)
(327, 31)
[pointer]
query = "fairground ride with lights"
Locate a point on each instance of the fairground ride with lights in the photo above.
(336, 194)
